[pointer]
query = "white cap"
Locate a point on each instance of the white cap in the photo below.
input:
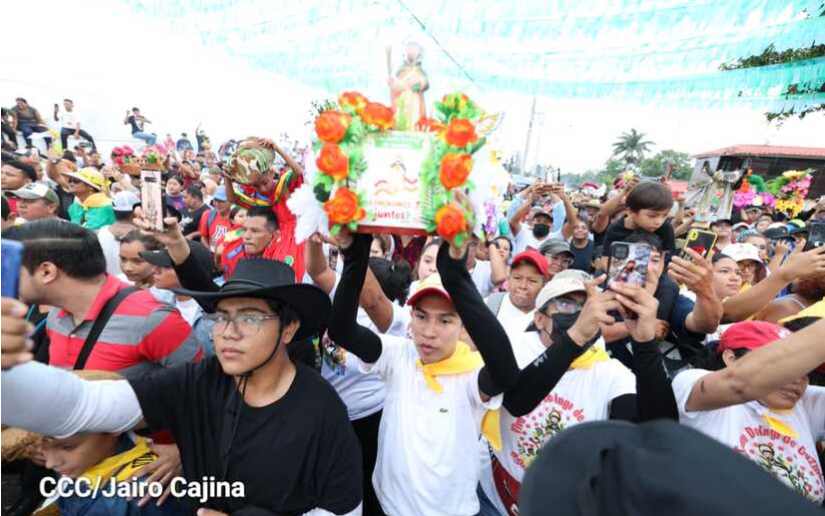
(741, 252)
(125, 201)
(565, 282)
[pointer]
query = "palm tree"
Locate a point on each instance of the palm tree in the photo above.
(632, 147)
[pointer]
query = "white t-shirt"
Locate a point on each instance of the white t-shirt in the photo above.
(482, 275)
(68, 119)
(743, 428)
(514, 321)
(111, 250)
(362, 393)
(525, 239)
(582, 395)
(427, 442)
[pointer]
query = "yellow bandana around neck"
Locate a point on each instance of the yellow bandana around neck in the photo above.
(589, 358)
(463, 360)
(121, 467)
(780, 426)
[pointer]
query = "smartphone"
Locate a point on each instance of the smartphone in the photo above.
(816, 235)
(12, 259)
(700, 241)
(628, 263)
(151, 196)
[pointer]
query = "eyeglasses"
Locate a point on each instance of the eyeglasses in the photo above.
(560, 259)
(73, 181)
(246, 324)
(564, 305)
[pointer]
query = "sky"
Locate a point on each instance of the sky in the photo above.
(108, 59)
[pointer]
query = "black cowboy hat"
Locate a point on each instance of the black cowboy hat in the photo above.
(615, 468)
(274, 280)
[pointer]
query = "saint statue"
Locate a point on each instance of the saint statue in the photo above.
(407, 88)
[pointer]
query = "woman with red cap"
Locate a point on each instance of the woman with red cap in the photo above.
(777, 427)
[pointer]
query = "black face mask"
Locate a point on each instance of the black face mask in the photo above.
(541, 230)
(561, 323)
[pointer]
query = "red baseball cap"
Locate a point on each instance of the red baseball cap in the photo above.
(428, 287)
(535, 258)
(751, 335)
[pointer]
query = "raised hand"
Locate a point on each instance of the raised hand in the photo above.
(801, 264)
(641, 302)
(594, 313)
(15, 343)
(696, 274)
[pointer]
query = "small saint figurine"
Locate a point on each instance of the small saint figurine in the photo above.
(407, 88)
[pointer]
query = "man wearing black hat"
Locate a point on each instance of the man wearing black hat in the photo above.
(273, 435)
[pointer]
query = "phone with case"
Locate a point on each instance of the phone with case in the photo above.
(700, 241)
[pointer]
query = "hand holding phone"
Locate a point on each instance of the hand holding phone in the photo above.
(816, 235)
(151, 195)
(700, 241)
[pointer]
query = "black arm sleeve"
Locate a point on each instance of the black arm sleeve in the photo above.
(540, 377)
(624, 408)
(193, 277)
(500, 371)
(655, 398)
(343, 328)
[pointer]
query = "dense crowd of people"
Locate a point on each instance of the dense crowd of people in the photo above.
(390, 373)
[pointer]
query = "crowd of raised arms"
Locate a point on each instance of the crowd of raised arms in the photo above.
(227, 368)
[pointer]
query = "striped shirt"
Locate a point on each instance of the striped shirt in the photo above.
(143, 334)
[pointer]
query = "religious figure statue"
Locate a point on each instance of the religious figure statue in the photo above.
(711, 192)
(407, 88)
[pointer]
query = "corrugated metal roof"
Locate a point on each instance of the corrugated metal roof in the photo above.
(779, 151)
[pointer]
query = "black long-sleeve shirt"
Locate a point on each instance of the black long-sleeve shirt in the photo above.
(500, 370)
(654, 396)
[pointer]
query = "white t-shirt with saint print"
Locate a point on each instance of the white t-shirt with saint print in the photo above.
(742, 427)
(427, 442)
(581, 395)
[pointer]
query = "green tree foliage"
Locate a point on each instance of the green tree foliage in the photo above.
(656, 165)
(631, 147)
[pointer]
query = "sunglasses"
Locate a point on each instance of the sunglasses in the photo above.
(73, 181)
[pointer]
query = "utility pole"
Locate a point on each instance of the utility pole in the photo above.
(529, 135)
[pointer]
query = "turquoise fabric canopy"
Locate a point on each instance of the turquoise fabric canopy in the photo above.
(656, 50)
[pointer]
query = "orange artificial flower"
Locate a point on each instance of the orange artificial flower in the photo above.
(333, 162)
(378, 115)
(343, 207)
(354, 100)
(331, 126)
(450, 221)
(430, 125)
(460, 132)
(455, 169)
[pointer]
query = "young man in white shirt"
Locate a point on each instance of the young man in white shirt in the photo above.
(70, 124)
(567, 379)
(438, 391)
(541, 220)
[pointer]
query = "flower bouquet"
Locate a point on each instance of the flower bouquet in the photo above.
(152, 158)
(125, 160)
(372, 179)
(790, 190)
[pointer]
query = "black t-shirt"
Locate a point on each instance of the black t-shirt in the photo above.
(292, 456)
(617, 232)
(192, 220)
(136, 123)
(583, 258)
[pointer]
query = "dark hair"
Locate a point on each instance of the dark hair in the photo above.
(69, 155)
(385, 242)
(267, 213)
(73, 249)
(506, 239)
(123, 216)
(24, 167)
(6, 208)
(21, 98)
(649, 195)
(135, 109)
(434, 242)
(651, 239)
(195, 191)
(719, 256)
(176, 178)
(394, 277)
(711, 359)
(150, 243)
(68, 100)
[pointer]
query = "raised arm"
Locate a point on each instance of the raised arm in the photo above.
(697, 275)
(291, 163)
(528, 197)
(343, 327)
(498, 267)
(570, 212)
(317, 265)
(761, 371)
(743, 305)
(500, 370)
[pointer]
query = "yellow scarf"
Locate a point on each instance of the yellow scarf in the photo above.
(463, 360)
(491, 419)
(121, 467)
(780, 426)
(96, 200)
